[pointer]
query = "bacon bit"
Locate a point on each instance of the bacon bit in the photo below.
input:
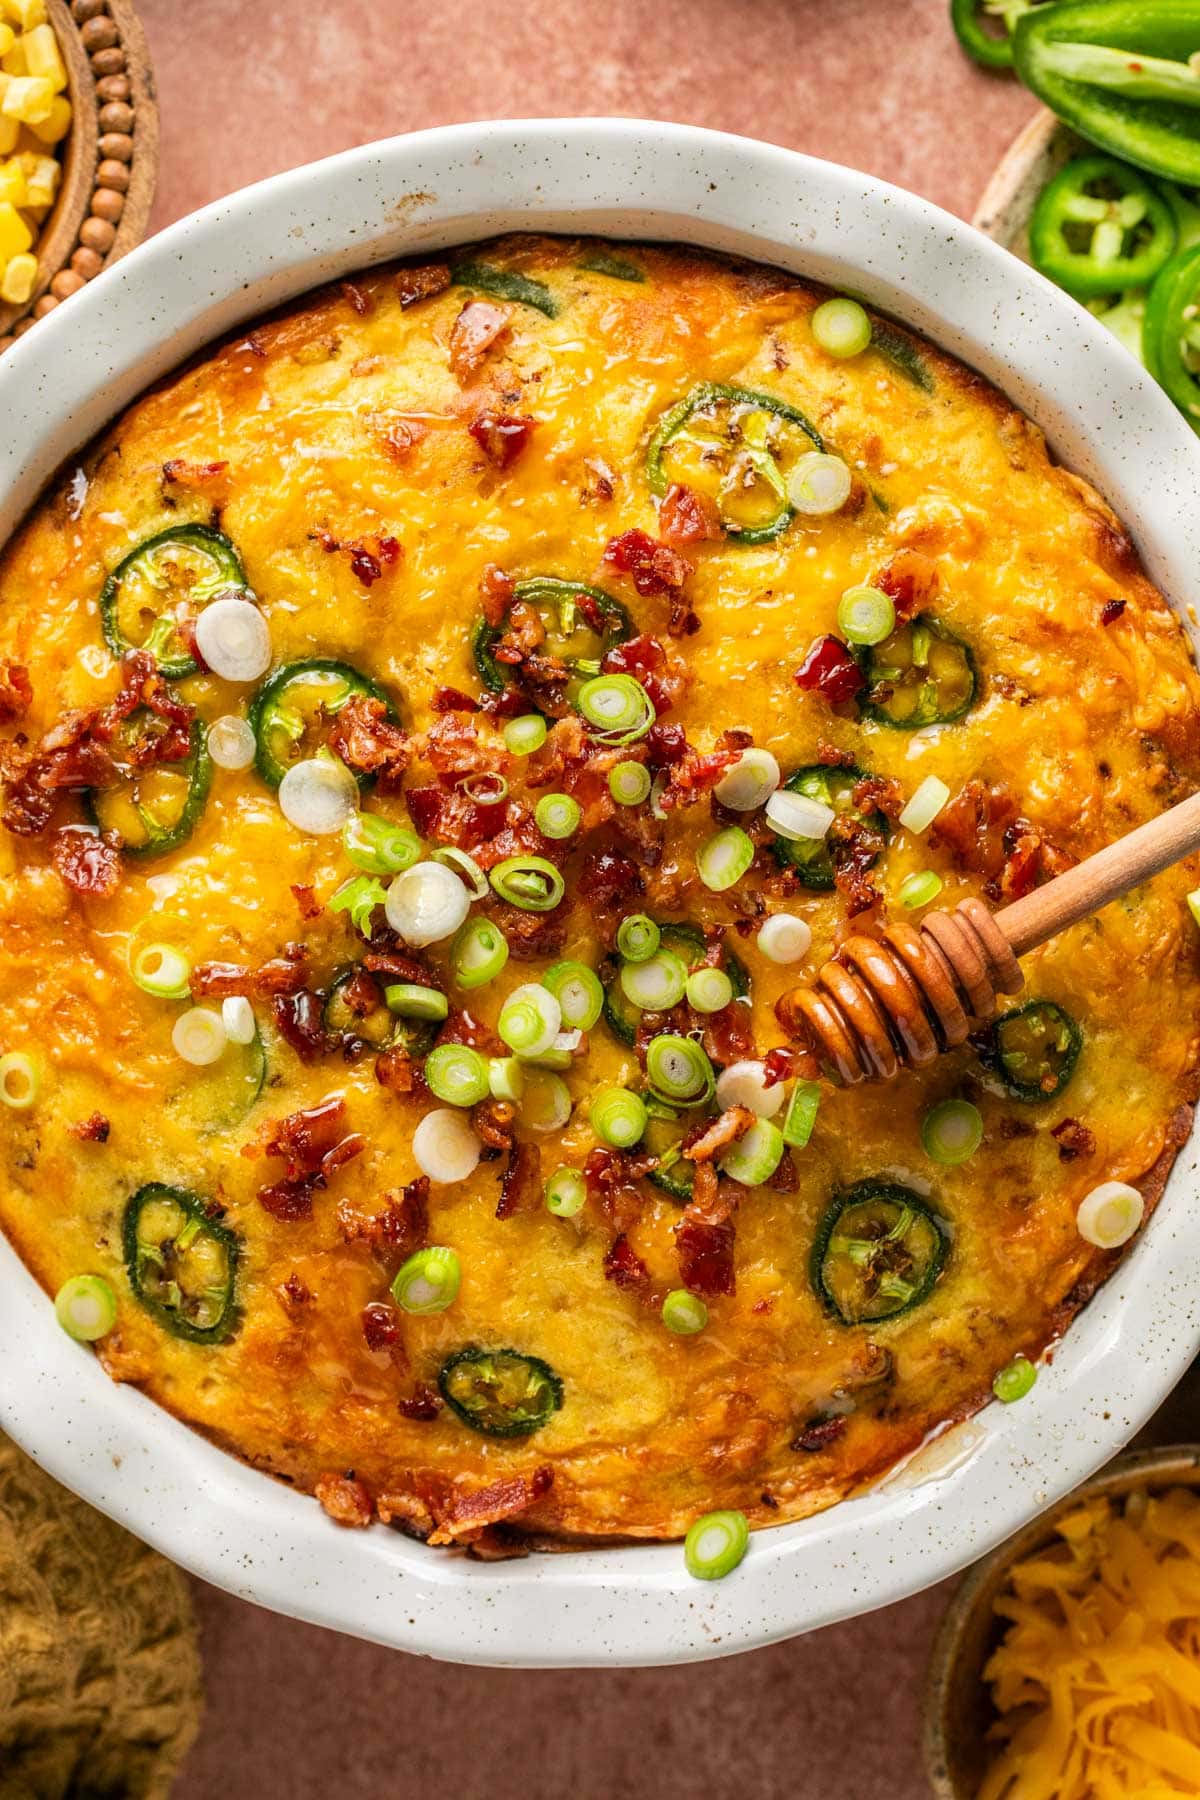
(779, 1064)
(612, 1178)
(93, 1130)
(454, 747)
(910, 581)
(493, 1121)
(502, 436)
(1111, 611)
(478, 328)
(294, 1292)
(448, 699)
(16, 692)
(300, 1019)
(424, 1404)
(531, 936)
(728, 1035)
(521, 1184)
(345, 1498)
(599, 488)
(1073, 1139)
(86, 862)
(695, 775)
(665, 746)
(359, 299)
(496, 591)
(705, 1252)
(398, 965)
(879, 793)
(468, 1515)
(831, 671)
(396, 1071)
(854, 849)
(463, 1028)
(608, 882)
(311, 1147)
(785, 1180)
(653, 567)
(981, 827)
(366, 738)
(819, 1433)
(178, 472)
(306, 899)
(381, 1326)
(422, 283)
(664, 677)
(707, 1141)
(685, 517)
(832, 757)
(524, 635)
(284, 974)
(400, 1227)
(397, 434)
(624, 1267)
(368, 560)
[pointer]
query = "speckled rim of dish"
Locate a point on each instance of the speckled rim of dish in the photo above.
(956, 1704)
(233, 261)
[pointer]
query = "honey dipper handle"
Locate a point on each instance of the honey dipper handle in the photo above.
(1084, 889)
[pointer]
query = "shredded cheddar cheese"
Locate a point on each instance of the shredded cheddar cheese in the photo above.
(1097, 1681)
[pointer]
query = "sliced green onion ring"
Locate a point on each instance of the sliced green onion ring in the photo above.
(629, 783)
(638, 937)
(578, 992)
(445, 1147)
(784, 938)
(819, 484)
(1110, 1215)
(530, 1019)
(465, 867)
(478, 953)
(952, 1132)
(683, 1313)
(801, 1114)
(656, 984)
(756, 1156)
(529, 882)
(525, 735)
(708, 990)
(566, 1192)
(359, 897)
(409, 1000)
(378, 846)
(745, 1083)
(617, 707)
(841, 327)
(86, 1308)
(557, 815)
(678, 1070)
(457, 1074)
(865, 616)
(919, 890)
(618, 1117)
(751, 781)
(1014, 1380)
(724, 858)
(199, 1036)
(429, 1281)
(925, 804)
(506, 1078)
(546, 1104)
(485, 787)
(715, 1545)
(162, 970)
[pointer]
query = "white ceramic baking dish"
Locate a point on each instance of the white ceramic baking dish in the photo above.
(233, 261)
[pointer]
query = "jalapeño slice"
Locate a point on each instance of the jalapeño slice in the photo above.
(812, 858)
(380, 1028)
(665, 1131)
(580, 623)
(500, 1393)
(154, 807)
(1171, 334)
(218, 1097)
(1036, 1047)
(620, 1014)
(293, 710)
(178, 570)
(1099, 227)
(878, 1252)
(991, 48)
(182, 1264)
(737, 448)
(507, 284)
(921, 675)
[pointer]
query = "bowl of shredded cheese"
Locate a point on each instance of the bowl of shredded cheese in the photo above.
(1068, 1665)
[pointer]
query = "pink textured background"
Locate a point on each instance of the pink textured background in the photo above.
(247, 90)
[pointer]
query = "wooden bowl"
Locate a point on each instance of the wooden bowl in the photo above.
(958, 1710)
(1039, 152)
(110, 158)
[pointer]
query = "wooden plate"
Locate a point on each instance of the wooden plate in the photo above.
(110, 159)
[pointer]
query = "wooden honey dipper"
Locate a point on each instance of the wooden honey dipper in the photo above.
(908, 995)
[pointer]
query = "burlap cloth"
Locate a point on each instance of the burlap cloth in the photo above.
(100, 1680)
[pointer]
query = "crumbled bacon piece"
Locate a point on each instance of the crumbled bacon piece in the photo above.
(398, 434)
(653, 567)
(613, 1178)
(608, 883)
(294, 1292)
(284, 974)
(1111, 611)
(832, 757)
(16, 692)
(879, 793)
(496, 591)
(495, 1123)
(502, 436)
(982, 828)
(463, 1027)
(685, 517)
(708, 1140)
(664, 677)
(365, 738)
(449, 699)
(358, 297)
(399, 965)
(423, 1404)
(728, 1035)
(831, 671)
(381, 1326)
(305, 897)
(300, 1020)
(422, 282)
(397, 1229)
(910, 580)
(178, 472)
(312, 1147)
(454, 747)
(665, 746)
(525, 633)
(87, 862)
(779, 1064)
(398, 1072)
(854, 849)
(521, 1184)
(694, 775)
(819, 1433)
(1073, 1138)
(478, 328)
(531, 936)
(785, 1180)
(345, 1498)
(468, 1515)
(624, 1267)
(705, 1252)
(92, 1130)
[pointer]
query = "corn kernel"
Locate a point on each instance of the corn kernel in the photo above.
(10, 134)
(42, 176)
(16, 283)
(28, 13)
(42, 56)
(8, 38)
(55, 126)
(13, 60)
(15, 235)
(12, 184)
(27, 98)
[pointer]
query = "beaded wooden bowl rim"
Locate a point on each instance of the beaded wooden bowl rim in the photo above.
(110, 160)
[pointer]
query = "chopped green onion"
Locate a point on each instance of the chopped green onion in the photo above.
(678, 1070)
(841, 327)
(445, 1147)
(1014, 1380)
(199, 1036)
(629, 783)
(919, 890)
(784, 938)
(428, 1282)
(457, 1074)
(744, 1083)
(925, 804)
(379, 847)
(1193, 901)
(530, 1019)
(865, 616)
(617, 707)
(485, 787)
(1110, 1214)
(799, 816)
(658, 788)
(684, 1313)
(86, 1308)
(724, 858)
(715, 1545)
(750, 782)
(506, 1078)
(409, 1000)
(618, 1117)
(566, 1192)
(578, 992)
(163, 971)
(359, 897)
(638, 937)
(656, 984)
(525, 735)
(557, 815)
(465, 867)
(952, 1132)
(529, 882)
(801, 1114)
(819, 484)
(546, 1105)
(756, 1156)
(709, 990)
(557, 1057)
(478, 953)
